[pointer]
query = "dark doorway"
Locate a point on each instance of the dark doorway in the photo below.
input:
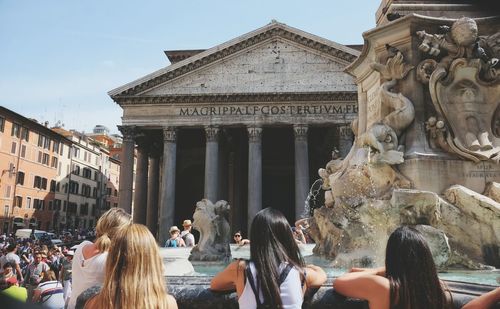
(278, 174)
(190, 173)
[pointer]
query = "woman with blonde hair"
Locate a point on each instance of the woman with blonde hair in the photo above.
(134, 274)
(89, 260)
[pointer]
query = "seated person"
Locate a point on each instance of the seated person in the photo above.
(238, 239)
(409, 274)
(276, 275)
(175, 239)
(186, 234)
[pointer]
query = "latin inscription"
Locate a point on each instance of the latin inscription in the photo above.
(373, 105)
(263, 110)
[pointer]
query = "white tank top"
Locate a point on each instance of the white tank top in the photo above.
(91, 273)
(290, 291)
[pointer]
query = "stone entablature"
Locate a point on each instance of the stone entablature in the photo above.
(240, 114)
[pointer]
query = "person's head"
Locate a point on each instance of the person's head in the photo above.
(11, 247)
(49, 275)
(411, 271)
(174, 232)
(8, 268)
(134, 271)
(272, 244)
(237, 237)
(107, 226)
(187, 225)
(37, 257)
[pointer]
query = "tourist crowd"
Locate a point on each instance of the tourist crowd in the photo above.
(122, 268)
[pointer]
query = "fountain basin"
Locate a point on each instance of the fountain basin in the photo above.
(189, 282)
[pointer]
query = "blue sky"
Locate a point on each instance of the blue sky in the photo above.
(60, 58)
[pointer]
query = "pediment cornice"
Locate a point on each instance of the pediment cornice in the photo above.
(271, 31)
(343, 96)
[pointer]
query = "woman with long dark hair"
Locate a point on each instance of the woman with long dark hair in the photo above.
(409, 279)
(276, 275)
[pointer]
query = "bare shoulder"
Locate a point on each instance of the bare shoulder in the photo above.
(171, 302)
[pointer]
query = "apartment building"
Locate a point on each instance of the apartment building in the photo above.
(31, 165)
(83, 187)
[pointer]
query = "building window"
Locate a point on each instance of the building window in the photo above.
(23, 151)
(13, 148)
(87, 173)
(76, 169)
(50, 205)
(2, 124)
(16, 130)
(84, 209)
(108, 191)
(52, 186)
(73, 187)
(94, 192)
(116, 193)
(76, 152)
(6, 211)
(18, 201)
(61, 149)
(45, 159)
(40, 157)
(37, 183)
(65, 206)
(54, 162)
(20, 178)
(115, 204)
(55, 146)
(44, 183)
(25, 134)
(28, 202)
(57, 205)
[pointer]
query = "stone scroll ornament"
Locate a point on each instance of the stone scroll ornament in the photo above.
(212, 221)
(464, 85)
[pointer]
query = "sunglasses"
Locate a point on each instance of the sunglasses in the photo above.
(237, 235)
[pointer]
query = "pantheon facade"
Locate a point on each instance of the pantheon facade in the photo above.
(249, 121)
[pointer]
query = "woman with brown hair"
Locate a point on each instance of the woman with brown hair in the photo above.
(89, 260)
(134, 274)
(409, 279)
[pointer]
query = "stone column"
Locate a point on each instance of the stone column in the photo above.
(212, 163)
(127, 167)
(254, 173)
(301, 168)
(345, 139)
(153, 190)
(141, 185)
(167, 205)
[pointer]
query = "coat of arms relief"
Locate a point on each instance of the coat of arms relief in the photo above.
(463, 75)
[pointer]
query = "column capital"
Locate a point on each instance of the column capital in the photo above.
(129, 133)
(170, 134)
(212, 133)
(300, 131)
(254, 134)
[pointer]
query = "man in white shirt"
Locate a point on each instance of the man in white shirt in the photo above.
(186, 233)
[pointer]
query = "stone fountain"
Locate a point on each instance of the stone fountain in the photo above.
(426, 148)
(212, 221)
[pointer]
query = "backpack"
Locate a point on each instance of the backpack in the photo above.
(171, 243)
(281, 279)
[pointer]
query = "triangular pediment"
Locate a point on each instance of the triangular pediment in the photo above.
(273, 59)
